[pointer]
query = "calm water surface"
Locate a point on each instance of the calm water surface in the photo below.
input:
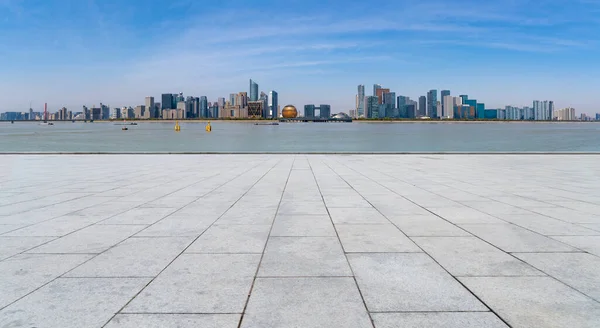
(302, 137)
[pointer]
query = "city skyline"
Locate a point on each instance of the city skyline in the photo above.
(87, 53)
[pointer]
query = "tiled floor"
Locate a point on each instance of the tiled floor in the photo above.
(300, 241)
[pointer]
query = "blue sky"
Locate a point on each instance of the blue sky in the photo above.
(506, 52)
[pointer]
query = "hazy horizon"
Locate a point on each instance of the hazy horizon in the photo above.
(70, 54)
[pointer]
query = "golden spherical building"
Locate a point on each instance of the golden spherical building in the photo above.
(289, 111)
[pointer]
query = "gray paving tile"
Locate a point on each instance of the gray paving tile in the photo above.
(426, 225)
(409, 282)
(232, 239)
(304, 256)
(72, 303)
(302, 208)
(10, 246)
(5, 228)
(591, 226)
(177, 227)
(305, 302)
(353, 200)
(464, 215)
(374, 238)
(357, 216)
(511, 238)
(248, 215)
(568, 215)
(578, 270)
(134, 257)
(589, 244)
(535, 301)
(93, 239)
(174, 321)
(140, 215)
(303, 226)
(548, 226)
(24, 273)
(56, 227)
(438, 320)
(199, 283)
(470, 256)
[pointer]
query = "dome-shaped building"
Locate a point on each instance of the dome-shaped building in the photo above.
(289, 111)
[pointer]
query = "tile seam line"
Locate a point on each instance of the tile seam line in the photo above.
(98, 254)
(198, 237)
(372, 321)
(262, 254)
(431, 257)
(473, 235)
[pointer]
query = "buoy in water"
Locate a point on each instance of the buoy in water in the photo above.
(177, 126)
(208, 128)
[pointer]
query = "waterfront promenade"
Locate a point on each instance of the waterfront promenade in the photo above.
(300, 241)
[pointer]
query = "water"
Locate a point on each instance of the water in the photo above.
(301, 137)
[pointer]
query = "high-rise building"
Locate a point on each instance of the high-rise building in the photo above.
(150, 107)
(371, 107)
(375, 88)
(203, 107)
(551, 110)
(105, 112)
(274, 104)
(422, 106)
(380, 93)
(265, 108)
(444, 93)
(115, 113)
(324, 111)
(166, 101)
(389, 105)
(360, 108)
(448, 106)
(597, 116)
(221, 102)
(253, 91)
(566, 114)
(432, 103)
(242, 99)
(232, 99)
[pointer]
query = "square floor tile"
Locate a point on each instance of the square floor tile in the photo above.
(535, 301)
(409, 282)
(199, 283)
(303, 257)
(305, 302)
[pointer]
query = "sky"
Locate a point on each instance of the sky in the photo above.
(505, 52)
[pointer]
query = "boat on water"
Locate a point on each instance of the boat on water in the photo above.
(46, 123)
(124, 128)
(272, 123)
(132, 123)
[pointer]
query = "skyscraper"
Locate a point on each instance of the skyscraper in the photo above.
(253, 91)
(150, 107)
(389, 102)
(432, 103)
(551, 110)
(443, 94)
(422, 106)
(380, 93)
(232, 99)
(273, 103)
(265, 107)
(360, 109)
(371, 107)
(204, 107)
(375, 87)
(166, 101)
(448, 106)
